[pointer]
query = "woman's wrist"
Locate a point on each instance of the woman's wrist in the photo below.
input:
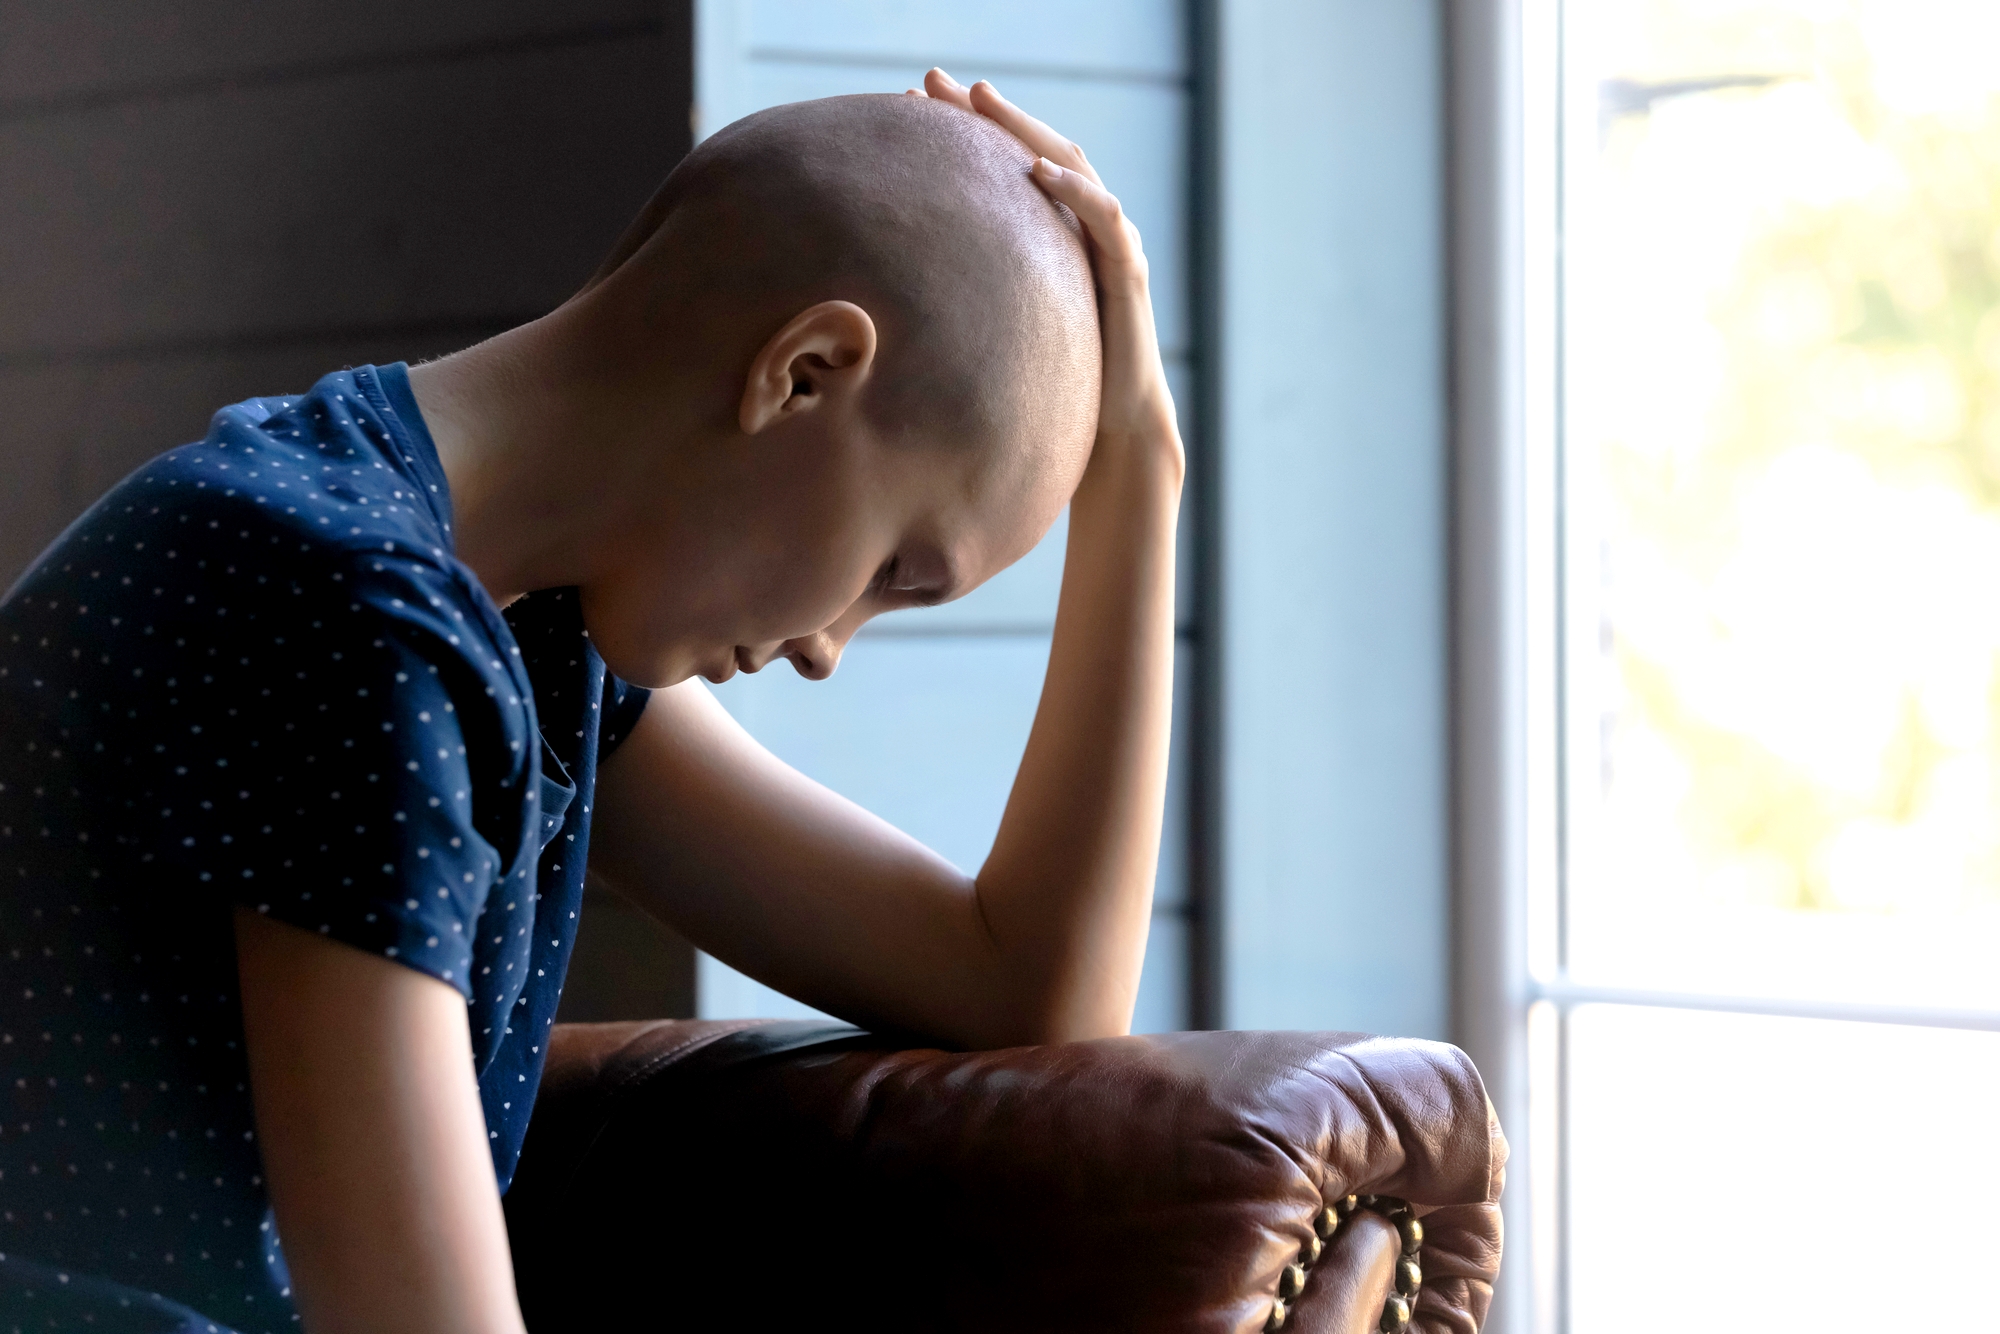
(1153, 452)
(1132, 487)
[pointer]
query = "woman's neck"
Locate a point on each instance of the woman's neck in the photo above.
(524, 494)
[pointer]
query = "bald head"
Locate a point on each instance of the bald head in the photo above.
(919, 212)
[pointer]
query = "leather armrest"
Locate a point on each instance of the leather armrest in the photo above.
(679, 1174)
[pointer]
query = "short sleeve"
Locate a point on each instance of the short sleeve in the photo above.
(353, 762)
(623, 704)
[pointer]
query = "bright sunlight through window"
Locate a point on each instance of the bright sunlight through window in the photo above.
(1779, 422)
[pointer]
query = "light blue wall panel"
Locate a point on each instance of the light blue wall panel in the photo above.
(925, 722)
(1163, 987)
(1020, 598)
(1023, 596)
(1332, 477)
(1123, 39)
(1135, 134)
(926, 732)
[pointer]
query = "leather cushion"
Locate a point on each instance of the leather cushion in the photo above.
(783, 1175)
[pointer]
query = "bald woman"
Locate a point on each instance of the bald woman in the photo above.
(330, 711)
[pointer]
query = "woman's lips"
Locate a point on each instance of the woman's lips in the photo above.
(718, 675)
(739, 661)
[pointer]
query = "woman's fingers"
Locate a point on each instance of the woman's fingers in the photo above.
(944, 88)
(1096, 208)
(1060, 168)
(984, 98)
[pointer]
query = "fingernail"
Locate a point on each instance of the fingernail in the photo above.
(989, 87)
(1048, 168)
(947, 78)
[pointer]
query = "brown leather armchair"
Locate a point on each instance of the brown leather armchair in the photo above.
(777, 1176)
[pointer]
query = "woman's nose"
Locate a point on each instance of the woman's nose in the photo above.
(815, 655)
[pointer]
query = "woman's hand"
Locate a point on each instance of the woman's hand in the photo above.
(1136, 410)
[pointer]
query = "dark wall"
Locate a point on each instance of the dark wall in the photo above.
(204, 200)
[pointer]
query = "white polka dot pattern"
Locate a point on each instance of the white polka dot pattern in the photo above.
(254, 673)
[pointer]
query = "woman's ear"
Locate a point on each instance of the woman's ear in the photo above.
(827, 351)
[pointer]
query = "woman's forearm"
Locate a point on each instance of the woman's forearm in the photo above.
(1067, 892)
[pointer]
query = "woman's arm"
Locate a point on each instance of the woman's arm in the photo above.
(1067, 892)
(373, 1139)
(807, 892)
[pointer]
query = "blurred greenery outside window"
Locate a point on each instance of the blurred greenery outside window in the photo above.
(1768, 961)
(1781, 493)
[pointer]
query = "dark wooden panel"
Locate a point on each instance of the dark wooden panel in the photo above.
(626, 965)
(206, 201)
(412, 194)
(71, 429)
(36, 414)
(56, 51)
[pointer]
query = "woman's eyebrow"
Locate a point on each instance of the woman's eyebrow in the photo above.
(931, 589)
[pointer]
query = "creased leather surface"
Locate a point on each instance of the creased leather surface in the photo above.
(783, 1176)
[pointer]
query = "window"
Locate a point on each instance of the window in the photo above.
(1762, 295)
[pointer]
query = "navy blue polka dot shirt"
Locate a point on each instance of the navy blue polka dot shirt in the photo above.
(254, 673)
